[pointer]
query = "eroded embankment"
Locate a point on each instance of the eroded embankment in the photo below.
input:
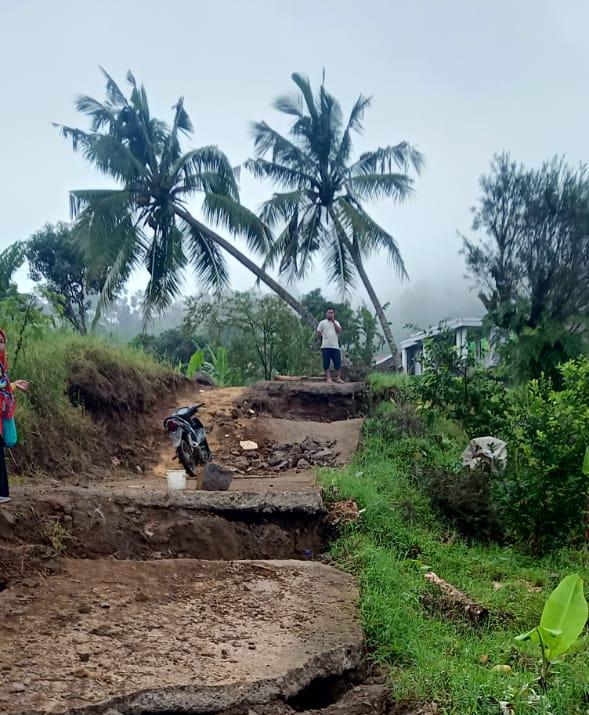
(92, 523)
(307, 400)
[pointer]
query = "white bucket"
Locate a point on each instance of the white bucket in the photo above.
(176, 480)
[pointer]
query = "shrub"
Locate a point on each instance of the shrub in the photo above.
(542, 495)
(465, 498)
(453, 385)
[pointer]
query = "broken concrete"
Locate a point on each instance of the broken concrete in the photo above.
(174, 636)
(148, 524)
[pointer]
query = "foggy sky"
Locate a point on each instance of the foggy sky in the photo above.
(460, 79)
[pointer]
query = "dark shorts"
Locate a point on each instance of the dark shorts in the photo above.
(331, 355)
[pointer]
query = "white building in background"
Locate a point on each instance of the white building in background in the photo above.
(467, 332)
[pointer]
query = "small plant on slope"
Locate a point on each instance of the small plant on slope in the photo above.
(562, 622)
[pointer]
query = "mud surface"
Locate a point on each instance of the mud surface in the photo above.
(170, 636)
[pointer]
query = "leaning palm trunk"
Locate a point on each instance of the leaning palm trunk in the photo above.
(227, 246)
(386, 328)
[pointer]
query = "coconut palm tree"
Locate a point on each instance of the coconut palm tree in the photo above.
(320, 206)
(145, 219)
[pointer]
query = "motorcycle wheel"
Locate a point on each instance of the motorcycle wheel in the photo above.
(189, 457)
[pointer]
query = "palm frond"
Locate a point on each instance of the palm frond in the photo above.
(101, 115)
(285, 248)
(367, 236)
(203, 169)
(354, 124)
(384, 159)
(165, 261)
(126, 247)
(182, 121)
(304, 85)
(281, 206)
(206, 257)
(104, 221)
(312, 237)
(108, 154)
(113, 92)
(283, 151)
(225, 211)
(337, 260)
(377, 186)
(11, 259)
(284, 176)
(289, 104)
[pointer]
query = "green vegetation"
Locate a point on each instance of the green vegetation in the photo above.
(55, 258)
(432, 652)
(563, 620)
(530, 261)
(144, 220)
(261, 337)
(80, 388)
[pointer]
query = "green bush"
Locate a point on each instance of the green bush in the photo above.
(542, 495)
(453, 385)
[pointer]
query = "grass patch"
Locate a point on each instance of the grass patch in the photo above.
(431, 655)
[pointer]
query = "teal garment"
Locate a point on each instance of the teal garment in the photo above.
(9, 433)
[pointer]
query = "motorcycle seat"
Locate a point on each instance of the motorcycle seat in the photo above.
(187, 412)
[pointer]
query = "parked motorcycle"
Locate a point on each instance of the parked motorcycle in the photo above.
(188, 436)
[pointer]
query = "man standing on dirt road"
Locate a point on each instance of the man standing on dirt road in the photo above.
(328, 330)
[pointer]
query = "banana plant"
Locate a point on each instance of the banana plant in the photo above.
(220, 364)
(195, 363)
(563, 619)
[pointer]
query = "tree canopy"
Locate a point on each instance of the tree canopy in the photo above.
(145, 220)
(530, 258)
(55, 258)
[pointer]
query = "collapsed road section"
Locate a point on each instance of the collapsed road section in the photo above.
(119, 598)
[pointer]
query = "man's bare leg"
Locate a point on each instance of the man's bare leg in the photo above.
(328, 376)
(338, 376)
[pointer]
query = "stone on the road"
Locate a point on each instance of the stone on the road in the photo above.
(215, 478)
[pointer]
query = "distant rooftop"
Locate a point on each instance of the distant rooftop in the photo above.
(453, 324)
(417, 338)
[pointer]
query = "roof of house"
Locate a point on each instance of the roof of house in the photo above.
(417, 338)
(454, 324)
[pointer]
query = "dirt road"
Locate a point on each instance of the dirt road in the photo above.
(171, 632)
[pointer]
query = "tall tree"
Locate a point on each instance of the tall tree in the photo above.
(530, 259)
(55, 257)
(321, 206)
(11, 259)
(146, 219)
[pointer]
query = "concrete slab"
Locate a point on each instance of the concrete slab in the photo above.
(173, 636)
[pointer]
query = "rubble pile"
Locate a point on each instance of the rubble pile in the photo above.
(280, 457)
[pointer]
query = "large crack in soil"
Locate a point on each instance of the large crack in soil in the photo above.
(186, 636)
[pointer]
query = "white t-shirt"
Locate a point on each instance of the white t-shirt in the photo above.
(329, 338)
